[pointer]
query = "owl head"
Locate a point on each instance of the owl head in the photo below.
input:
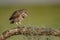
(24, 13)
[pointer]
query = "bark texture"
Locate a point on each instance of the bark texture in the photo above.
(28, 31)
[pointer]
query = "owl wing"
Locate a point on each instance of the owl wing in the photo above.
(14, 15)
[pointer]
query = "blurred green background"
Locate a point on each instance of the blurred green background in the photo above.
(39, 15)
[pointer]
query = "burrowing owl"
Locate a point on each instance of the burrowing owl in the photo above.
(18, 16)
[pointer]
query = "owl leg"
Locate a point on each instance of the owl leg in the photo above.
(20, 23)
(17, 23)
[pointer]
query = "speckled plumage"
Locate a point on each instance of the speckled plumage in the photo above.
(18, 16)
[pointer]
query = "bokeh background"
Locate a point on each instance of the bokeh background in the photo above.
(43, 13)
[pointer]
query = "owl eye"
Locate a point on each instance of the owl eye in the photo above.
(23, 17)
(25, 12)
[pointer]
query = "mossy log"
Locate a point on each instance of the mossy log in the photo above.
(28, 31)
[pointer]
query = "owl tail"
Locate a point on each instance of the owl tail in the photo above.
(12, 22)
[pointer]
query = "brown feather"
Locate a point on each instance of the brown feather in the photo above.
(17, 16)
(14, 15)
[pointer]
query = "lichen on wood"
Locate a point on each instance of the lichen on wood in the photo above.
(28, 31)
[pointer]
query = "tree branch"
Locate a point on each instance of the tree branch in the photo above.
(28, 31)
